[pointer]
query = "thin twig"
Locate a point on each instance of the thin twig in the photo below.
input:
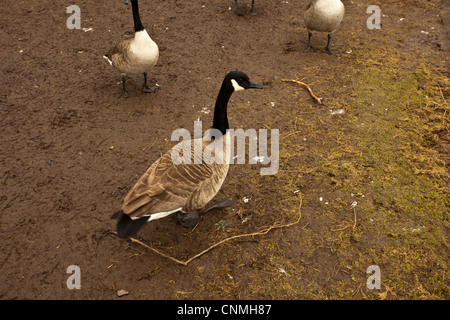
(319, 100)
(263, 231)
(156, 251)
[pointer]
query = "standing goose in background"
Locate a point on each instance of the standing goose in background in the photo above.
(323, 16)
(134, 56)
(168, 187)
(240, 12)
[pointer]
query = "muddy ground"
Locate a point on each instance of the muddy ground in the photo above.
(370, 181)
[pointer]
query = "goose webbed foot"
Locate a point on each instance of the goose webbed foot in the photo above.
(188, 220)
(251, 12)
(330, 51)
(310, 48)
(125, 93)
(219, 205)
(128, 94)
(146, 88)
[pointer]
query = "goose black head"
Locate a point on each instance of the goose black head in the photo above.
(233, 81)
(240, 81)
(128, 1)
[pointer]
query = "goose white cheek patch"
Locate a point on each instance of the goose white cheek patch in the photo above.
(236, 86)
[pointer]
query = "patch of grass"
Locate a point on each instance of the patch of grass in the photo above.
(384, 156)
(374, 191)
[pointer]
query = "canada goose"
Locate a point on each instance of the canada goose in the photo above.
(240, 12)
(166, 187)
(134, 56)
(323, 16)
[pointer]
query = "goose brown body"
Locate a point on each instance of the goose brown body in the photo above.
(136, 55)
(166, 188)
(187, 183)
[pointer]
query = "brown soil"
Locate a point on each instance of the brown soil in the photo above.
(72, 147)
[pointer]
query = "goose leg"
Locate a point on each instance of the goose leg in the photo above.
(188, 220)
(238, 10)
(251, 12)
(310, 48)
(218, 205)
(126, 93)
(328, 49)
(146, 87)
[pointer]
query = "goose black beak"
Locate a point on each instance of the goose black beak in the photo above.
(253, 85)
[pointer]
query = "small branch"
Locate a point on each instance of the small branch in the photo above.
(263, 231)
(157, 252)
(319, 100)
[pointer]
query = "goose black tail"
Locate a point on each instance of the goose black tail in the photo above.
(127, 227)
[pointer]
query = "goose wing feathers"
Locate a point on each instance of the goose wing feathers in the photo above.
(118, 55)
(166, 187)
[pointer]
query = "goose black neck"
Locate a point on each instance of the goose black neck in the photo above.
(220, 121)
(137, 19)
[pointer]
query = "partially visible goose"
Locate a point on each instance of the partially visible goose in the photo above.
(135, 56)
(166, 187)
(323, 16)
(240, 12)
